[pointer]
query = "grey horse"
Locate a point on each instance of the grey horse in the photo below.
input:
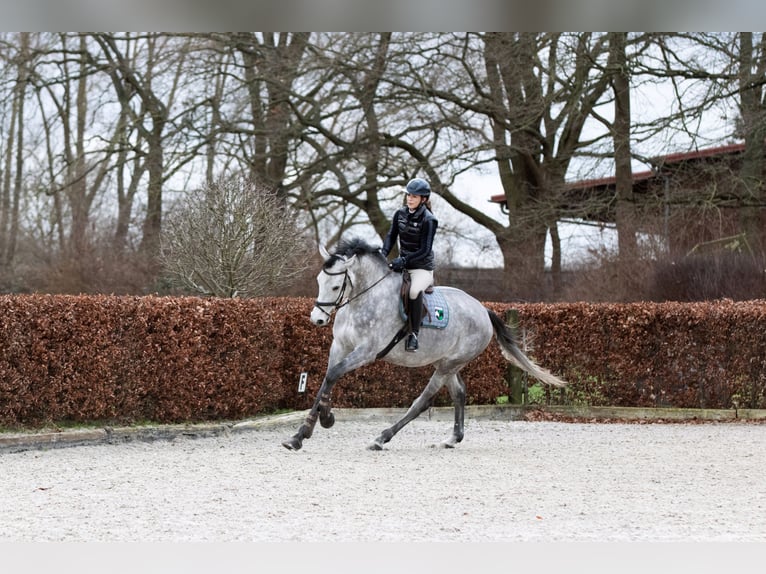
(357, 285)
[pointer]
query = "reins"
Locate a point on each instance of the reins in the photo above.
(346, 282)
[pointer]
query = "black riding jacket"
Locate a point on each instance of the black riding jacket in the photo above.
(415, 232)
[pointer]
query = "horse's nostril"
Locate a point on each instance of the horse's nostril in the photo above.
(320, 322)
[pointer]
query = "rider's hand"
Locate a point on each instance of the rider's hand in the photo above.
(397, 264)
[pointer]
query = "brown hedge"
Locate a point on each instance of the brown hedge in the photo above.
(686, 355)
(101, 358)
(176, 359)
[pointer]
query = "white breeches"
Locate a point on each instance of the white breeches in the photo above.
(420, 279)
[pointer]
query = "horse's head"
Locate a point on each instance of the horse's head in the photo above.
(333, 282)
(336, 278)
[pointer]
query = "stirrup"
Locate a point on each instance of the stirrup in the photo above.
(412, 343)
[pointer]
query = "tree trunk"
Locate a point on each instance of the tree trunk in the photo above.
(270, 69)
(555, 259)
(523, 247)
(150, 240)
(522, 243)
(626, 217)
(125, 193)
(77, 188)
(753, 112)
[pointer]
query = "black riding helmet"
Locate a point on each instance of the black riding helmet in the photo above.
(419, 186)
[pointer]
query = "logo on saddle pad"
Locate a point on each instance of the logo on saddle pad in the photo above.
(436, 312)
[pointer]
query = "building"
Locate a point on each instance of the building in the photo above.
(693, 200)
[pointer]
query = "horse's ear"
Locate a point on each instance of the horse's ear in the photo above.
(323, 252)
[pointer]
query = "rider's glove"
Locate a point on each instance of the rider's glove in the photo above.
(397, 264)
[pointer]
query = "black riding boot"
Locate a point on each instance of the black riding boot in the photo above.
(415, 313)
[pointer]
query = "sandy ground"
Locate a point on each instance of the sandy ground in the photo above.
(508, 481)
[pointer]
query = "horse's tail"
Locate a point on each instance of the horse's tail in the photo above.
(513, 354)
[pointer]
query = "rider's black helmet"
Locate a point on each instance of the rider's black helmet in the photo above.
(418, 186)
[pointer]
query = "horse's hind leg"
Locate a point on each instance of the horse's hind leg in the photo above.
(418, 406)
(456, 388)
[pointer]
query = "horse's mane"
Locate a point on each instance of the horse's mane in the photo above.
(355, 246)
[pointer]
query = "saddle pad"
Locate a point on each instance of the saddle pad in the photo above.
(436, 314)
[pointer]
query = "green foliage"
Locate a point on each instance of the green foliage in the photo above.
(536, 395)
(586, 390)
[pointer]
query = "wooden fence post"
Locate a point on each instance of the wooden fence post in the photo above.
(514, 376)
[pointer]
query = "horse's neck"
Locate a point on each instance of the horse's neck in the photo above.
(364, 284)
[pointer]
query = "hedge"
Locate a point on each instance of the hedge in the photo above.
(112, 359)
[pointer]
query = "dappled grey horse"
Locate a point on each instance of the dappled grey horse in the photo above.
(357, 284)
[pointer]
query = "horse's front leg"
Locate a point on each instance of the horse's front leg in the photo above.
(322, 407)
(323, 402)
(307, 428)
(326, 416)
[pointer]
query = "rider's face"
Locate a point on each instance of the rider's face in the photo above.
(413, 201)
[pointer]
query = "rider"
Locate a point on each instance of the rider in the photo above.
(415, 226)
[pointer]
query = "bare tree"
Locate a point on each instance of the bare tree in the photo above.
(233, 238)
(13, 163)
(349, 167)
(264, 67)
(79, 173)
(152, 118)
(335, 123)
(518, 101)
(401, 105)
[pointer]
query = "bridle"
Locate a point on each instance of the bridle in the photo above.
(347, 283)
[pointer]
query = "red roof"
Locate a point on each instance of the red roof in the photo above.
(640, 176)
(700, 153)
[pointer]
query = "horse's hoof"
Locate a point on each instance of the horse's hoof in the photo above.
(374, 446)
(293, 444)
(304, 432)
(327, 420)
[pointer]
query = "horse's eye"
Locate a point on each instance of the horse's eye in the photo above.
(336, 288)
